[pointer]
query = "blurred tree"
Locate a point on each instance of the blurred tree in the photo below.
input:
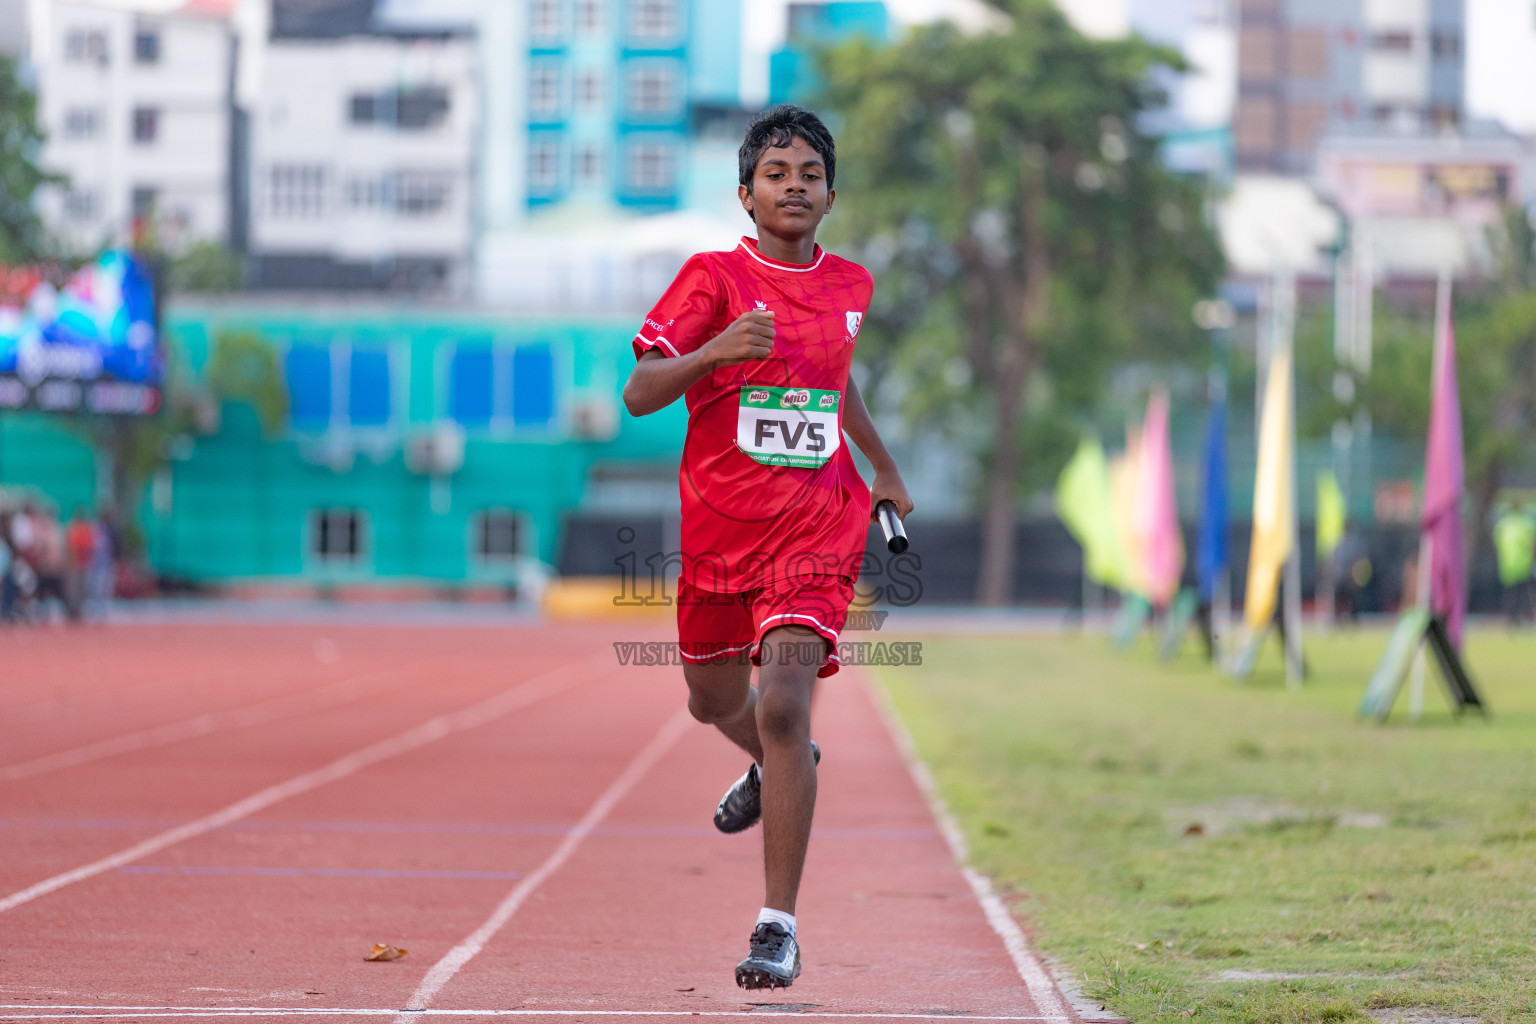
(243, 368)
(1023, 232)
(205, 267)
(21, 234)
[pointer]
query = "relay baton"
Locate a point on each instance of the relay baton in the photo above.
(895, 536)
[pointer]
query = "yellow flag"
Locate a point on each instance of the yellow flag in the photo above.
(1330, 514)
(1085, 505)
(1273, 502)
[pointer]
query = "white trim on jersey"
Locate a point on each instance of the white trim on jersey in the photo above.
(648, 343)
(780, 266)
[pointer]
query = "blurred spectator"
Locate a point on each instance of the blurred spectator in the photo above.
(103, 569)
(80, 544)
(1514, 540)
(1352, 575)
(50, 561)
(7, 580)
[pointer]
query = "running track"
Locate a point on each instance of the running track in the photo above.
(219, 821)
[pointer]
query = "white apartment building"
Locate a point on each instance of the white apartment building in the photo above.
(362, 155)
(137, 111)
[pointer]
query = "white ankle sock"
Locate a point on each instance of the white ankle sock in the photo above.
(778, 917)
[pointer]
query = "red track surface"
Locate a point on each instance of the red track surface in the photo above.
(110, 737)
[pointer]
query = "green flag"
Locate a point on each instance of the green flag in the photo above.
(1083, 502)
(1330, 514)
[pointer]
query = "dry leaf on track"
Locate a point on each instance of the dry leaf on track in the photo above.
(382, 952)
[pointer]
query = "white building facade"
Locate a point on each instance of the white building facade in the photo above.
(362, 161)
(137, 111)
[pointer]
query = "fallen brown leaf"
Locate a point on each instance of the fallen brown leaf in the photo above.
(383, 953)
(1195, 829)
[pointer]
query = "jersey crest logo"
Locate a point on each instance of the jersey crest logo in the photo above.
(854, 321)
(762, 307)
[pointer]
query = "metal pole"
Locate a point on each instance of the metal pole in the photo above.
(1426, 542)
(1285, 334)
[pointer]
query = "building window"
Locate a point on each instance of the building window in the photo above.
(404, 109)
(80, 204)
(589, 164)
(649, 167)
(368, 387)
(82, 123)
(499, 387)
(423, 107)
(589, 16)
(544, 88)
(651, 90)
(544, 19)
(296, 190)
(1445, 44)
(142, 202)
(498, 536)
(86, 46)
(421, 193)
(544, 166)
(146, 46)
(336, 535)
(653, 20)
(146, 125)
(589, 89)
(1394, 41)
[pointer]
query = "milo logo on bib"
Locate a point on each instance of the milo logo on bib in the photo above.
(788, 426)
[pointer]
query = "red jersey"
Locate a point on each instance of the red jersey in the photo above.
(769, 488)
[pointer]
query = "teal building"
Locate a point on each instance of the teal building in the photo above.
(421, 449)
(614, 93)
(791, 69)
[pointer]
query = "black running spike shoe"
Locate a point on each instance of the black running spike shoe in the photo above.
(774, 961)
(742, 805)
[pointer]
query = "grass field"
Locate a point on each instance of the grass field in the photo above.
(1194, 847)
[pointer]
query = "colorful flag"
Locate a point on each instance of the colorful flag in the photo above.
(1273, 503)
(1444, 485)
(1211, 554)
(1157, 508)
(1330, 515)
(1084, 503)
(1125, 487)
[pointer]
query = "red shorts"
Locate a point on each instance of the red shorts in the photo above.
(713, 626)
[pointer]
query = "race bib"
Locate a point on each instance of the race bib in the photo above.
(788, 426)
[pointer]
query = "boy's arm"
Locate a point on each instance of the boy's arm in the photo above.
(860, 428)
(658, 380)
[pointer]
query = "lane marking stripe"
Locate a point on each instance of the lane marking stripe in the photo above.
(450, 828)
(430, 731)
(264, 712)
(187, 869)
(85, 1012)
(443, 971)
(1042, 989)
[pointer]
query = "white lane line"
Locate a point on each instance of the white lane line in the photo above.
(443, 971)
(1042, 989)
(434, 729)
(116, 1012)
(341, 691)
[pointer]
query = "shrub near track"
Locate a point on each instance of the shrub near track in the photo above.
(1193, 847)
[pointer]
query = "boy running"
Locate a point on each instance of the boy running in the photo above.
(774, 512)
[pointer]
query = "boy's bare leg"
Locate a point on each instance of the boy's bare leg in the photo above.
(721, 694)
(789, 770)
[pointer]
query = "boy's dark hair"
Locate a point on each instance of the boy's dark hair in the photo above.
(778, 126)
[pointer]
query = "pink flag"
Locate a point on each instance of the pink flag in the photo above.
(1158, 515)
(1444, 484)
